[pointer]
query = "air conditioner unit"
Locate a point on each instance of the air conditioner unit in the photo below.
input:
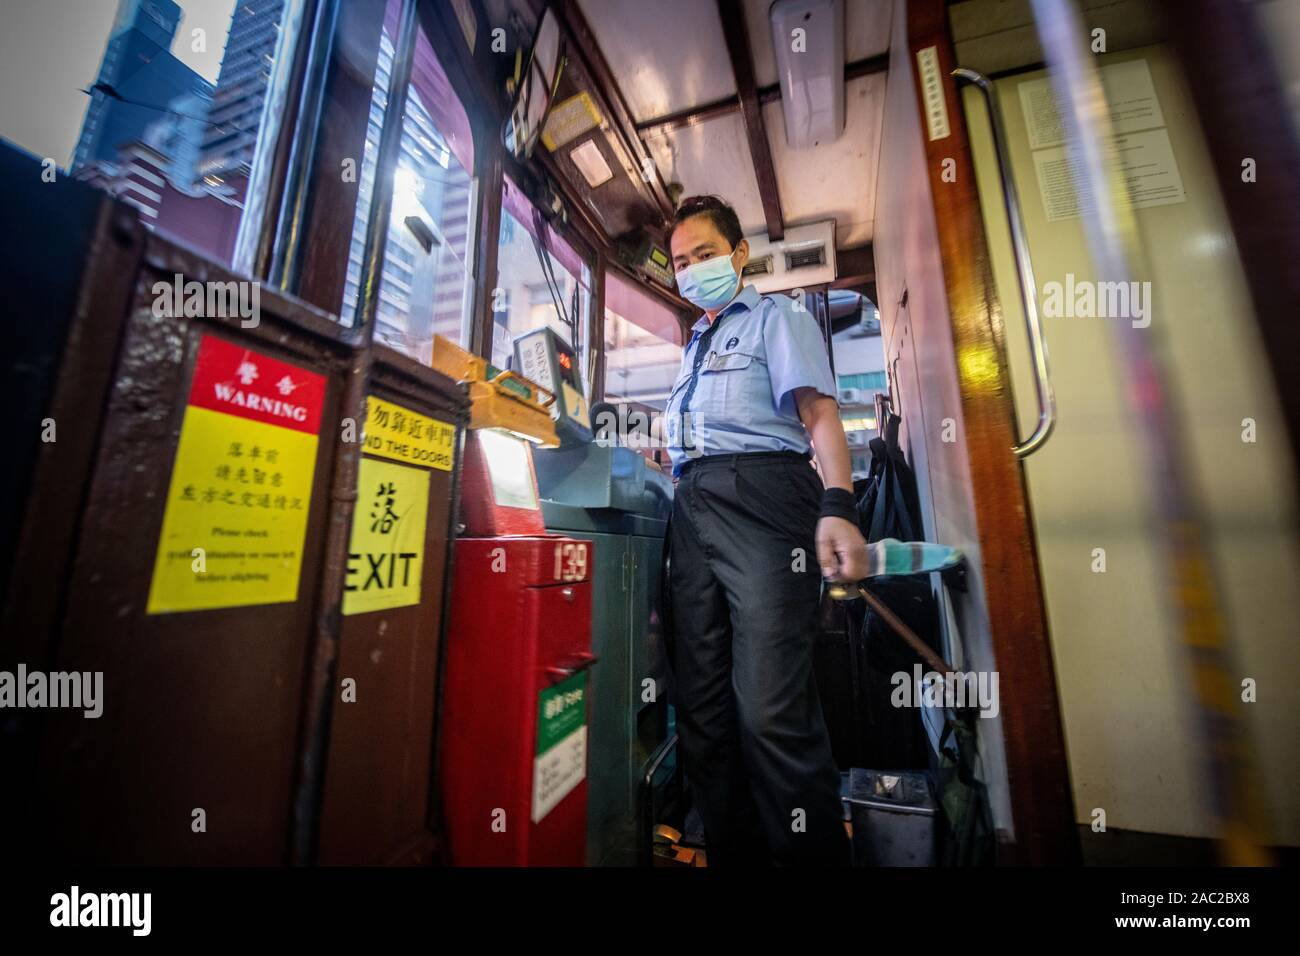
(803, 259)
(857, 439)
(851, 396)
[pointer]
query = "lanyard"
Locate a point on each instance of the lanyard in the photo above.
(701, 349)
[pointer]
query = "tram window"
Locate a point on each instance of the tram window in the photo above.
(859, 371)
(643, 346)
(541, 280)
(425, 287)
(169, 105)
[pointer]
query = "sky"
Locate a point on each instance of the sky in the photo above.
(50, 50)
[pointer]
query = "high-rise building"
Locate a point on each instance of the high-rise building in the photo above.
(236, 111)
(185, 162)
(422, 291)
(178, 135)
(139, 80)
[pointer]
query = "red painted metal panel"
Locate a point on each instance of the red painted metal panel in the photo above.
(521, 621)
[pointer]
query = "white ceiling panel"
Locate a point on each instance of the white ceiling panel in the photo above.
(672, 56)
(667, 56)
(712, 157)
(866, 34)
(834, 180)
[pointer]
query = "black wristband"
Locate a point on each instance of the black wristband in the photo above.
(839, 503)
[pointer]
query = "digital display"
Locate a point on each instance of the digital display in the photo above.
(547, 359)
(566, 360)
(653, 262)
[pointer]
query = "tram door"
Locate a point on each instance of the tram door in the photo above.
(1114, 636)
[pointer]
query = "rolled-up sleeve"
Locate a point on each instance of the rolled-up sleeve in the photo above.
(796, 351)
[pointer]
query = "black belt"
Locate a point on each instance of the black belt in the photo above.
(742, 459)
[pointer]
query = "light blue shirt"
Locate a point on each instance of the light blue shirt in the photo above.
(735, 391)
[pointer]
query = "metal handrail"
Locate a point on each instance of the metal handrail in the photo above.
(1024, 269)
(645, 847)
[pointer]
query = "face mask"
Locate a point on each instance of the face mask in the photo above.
(710, 284)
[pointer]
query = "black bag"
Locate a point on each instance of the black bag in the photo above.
(857, 653)
(889, 505)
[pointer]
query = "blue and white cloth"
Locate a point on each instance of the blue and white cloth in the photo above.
(735, 391)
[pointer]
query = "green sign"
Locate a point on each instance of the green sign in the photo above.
(560, 763)
(561, 709)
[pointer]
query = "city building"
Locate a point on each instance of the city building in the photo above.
(236, 112)
(141, 175)
(859, 372)
(184, 161)
(423, 287)
(139, 80)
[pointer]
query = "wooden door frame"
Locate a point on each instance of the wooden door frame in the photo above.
(1038, 778)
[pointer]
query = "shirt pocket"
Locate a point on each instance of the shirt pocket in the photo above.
(729, 387)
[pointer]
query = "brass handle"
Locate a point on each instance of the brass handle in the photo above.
(844, 592)
(1024, 267)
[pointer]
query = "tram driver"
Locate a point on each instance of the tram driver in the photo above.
(752, 525)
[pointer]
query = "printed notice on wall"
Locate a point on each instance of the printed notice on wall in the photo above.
(1141, 146)
(936, 107)
(1146, 158)
(1129, 92)
(395, 432)
(236, 512)
(560, 763)
(386, 552)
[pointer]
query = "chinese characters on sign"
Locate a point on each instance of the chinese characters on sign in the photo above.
(240, 490)
(560, 762)
(403, 435)
(386, 552)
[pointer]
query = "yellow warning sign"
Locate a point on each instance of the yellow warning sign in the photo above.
(236, 513)
(386, 553)
(403, 435)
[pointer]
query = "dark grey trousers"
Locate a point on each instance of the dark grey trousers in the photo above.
(745, 587)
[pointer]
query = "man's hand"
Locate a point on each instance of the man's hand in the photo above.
(841, 550)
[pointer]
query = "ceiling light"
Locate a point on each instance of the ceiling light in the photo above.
(808, 39)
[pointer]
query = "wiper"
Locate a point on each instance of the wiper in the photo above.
(552, 284)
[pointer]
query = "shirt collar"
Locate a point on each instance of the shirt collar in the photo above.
(748, 298)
